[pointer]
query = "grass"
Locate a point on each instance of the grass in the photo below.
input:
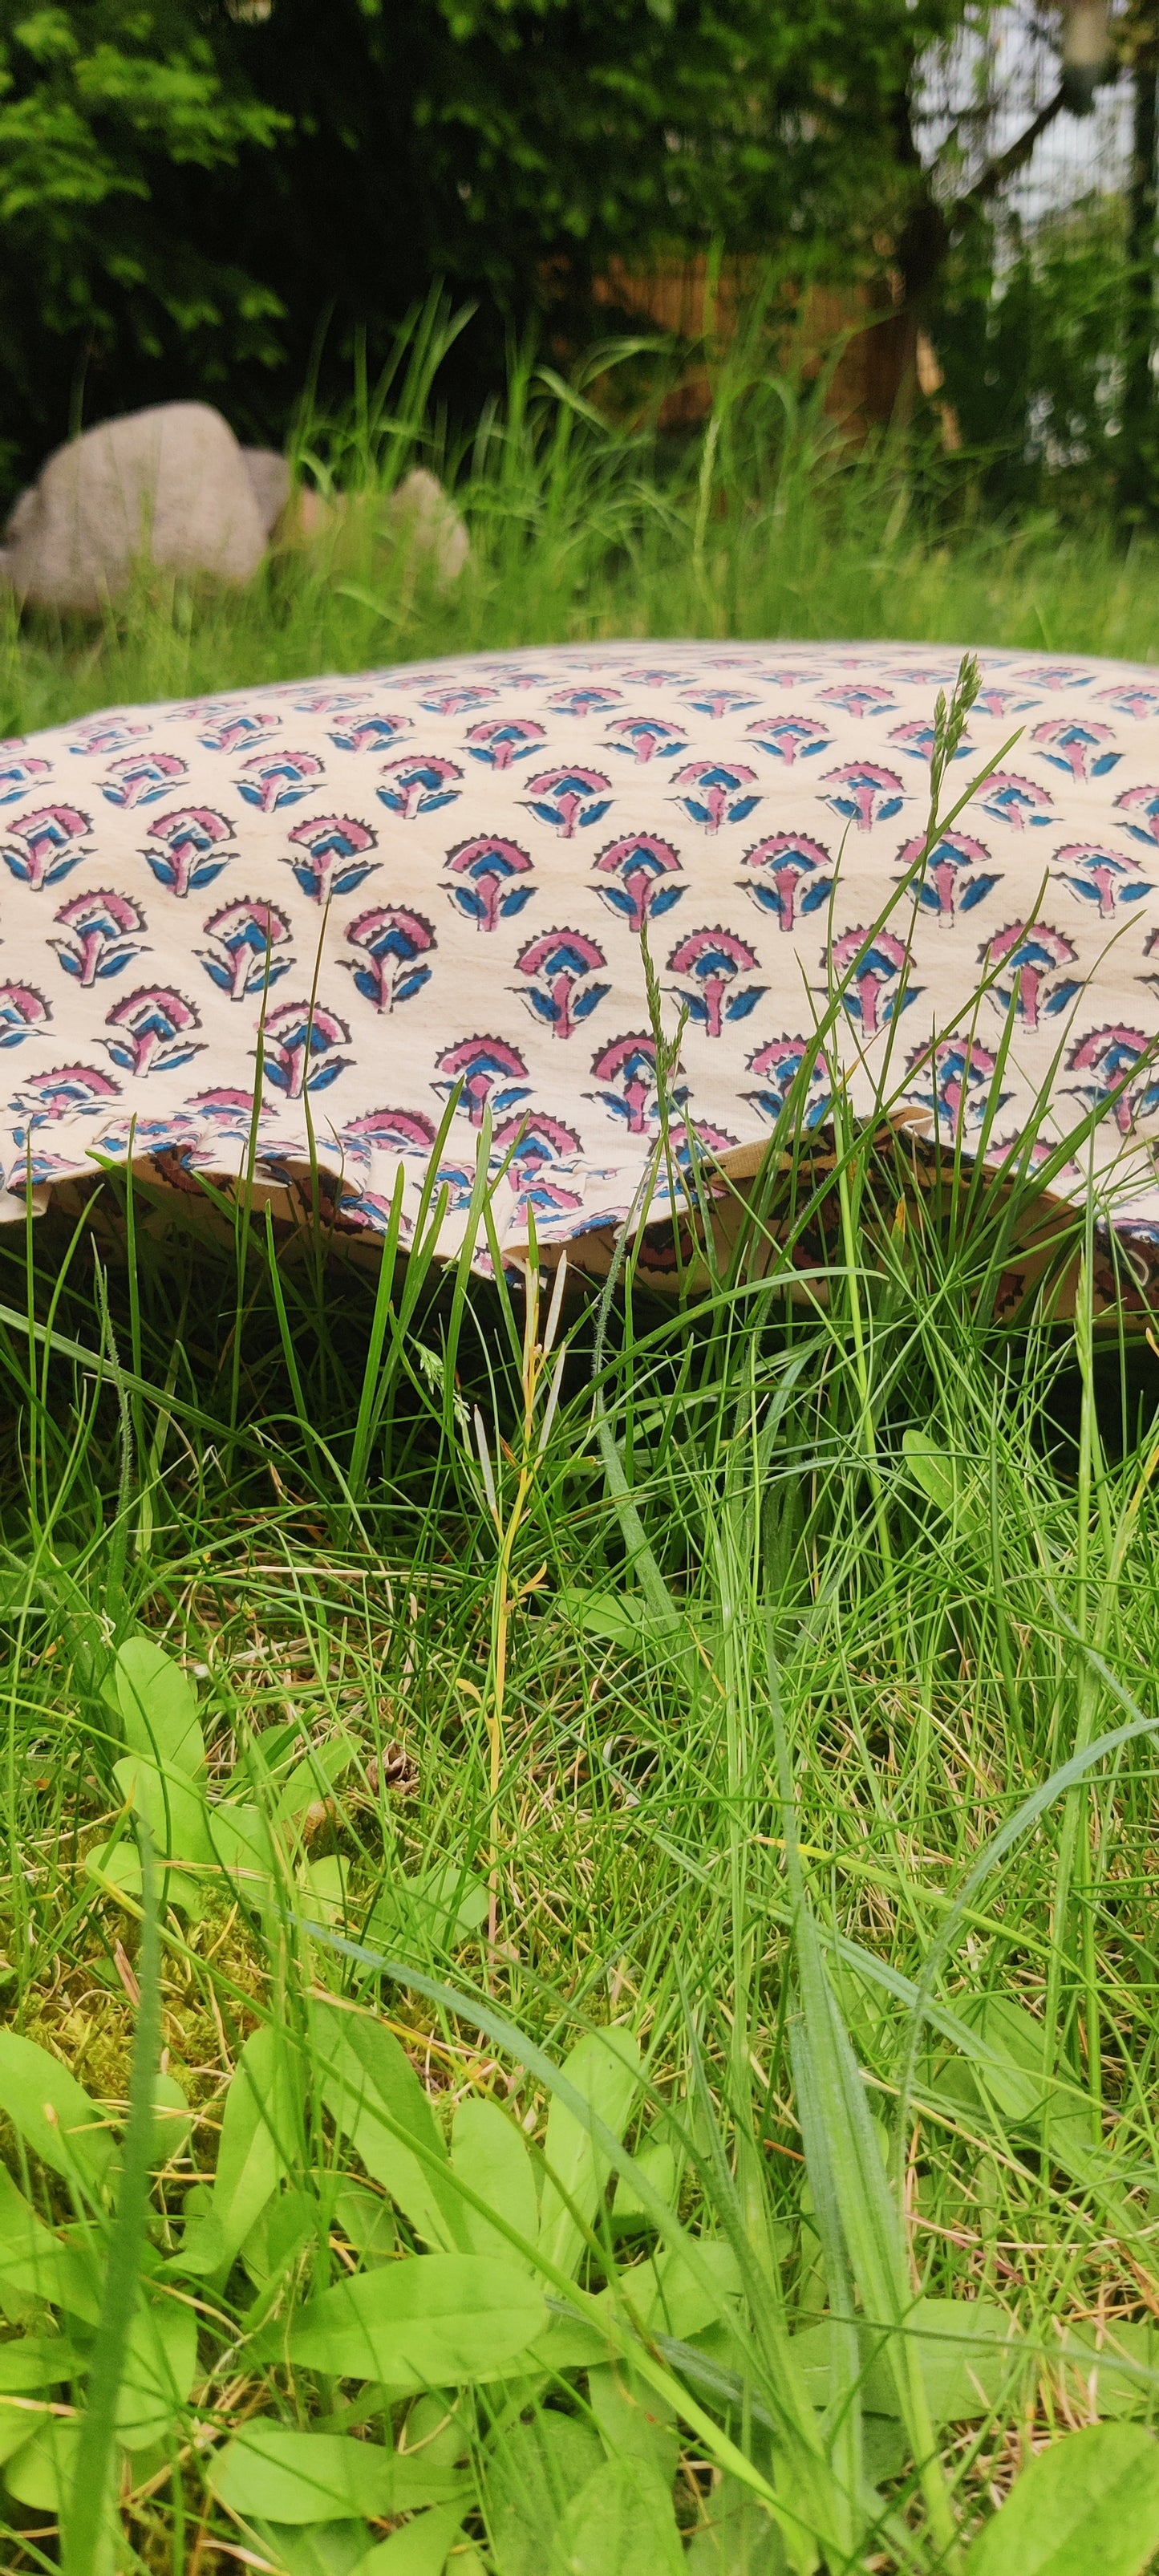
(763, 1681)
(584, 526)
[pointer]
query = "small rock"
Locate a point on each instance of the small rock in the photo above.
(170, 484)
(421, 516)
(270, 475)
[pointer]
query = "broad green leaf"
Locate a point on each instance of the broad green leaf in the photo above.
(173, 1808)
(1090, 2503)
(322, 1890)
(172, 2120)
(17, 2426)
(419, 2548)
(671, 2294)
(633, 2421)
(242, 1845)
(290, 2476)
(158, 1704)
(372, 2092)
(622, 1617)
(36, 2361)
(681, 2293)
(931, 1469)
(739, 2538)
(366, 2220)
(620, 2524)
(53, 2113)
(160, 2368)
(1113, 2370)
(489, 2150)
(286, 2225)
(968, 2352)
(533, 2471)
(258, 2137)
(434, 2321)
(317, 2549)
(438, 2428)
(41, 2473)
(604, 2066)
(202, 2247)
(656, 2163)
(443, 1906)
(1014, 2038)
(37, 2264)
(118, 1866)
(314, 1777)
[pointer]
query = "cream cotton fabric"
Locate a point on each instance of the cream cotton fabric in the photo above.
(434, 878)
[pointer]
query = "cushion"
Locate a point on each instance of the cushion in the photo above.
(428, 886)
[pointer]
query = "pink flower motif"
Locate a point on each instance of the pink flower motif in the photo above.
(102, 940)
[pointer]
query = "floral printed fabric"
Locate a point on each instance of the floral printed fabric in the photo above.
(434, 879)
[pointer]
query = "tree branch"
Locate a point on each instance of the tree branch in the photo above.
(1017, 153)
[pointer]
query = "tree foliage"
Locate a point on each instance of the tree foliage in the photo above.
(112, 121)
(191, 191)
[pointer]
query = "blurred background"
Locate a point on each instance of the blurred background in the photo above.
(947, 210)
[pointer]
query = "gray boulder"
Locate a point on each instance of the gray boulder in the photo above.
(424, 521)
(270, 475)
(170, 484)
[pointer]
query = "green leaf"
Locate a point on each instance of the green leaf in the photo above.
(314, 1778)
(680, 2294)
(160, 2368)
(322, 1890)
(172, 2120)
(439, 2429)
(968, 2352)
(202, 2246)
(434, 2321)
(634, 2422)
(1112, 2370)
(372, 2092)
(17, 2427)
(278, 2236)
(52, 2112)
(419, 2548)
(290, 2476)
(620, 2524)
(320, 2549)
(444, 1905)
(657, 2164)
(118, 1865)
(533, 2471)
(1017, 2082)
(1090, 2502)
(604, 2066)
(173, 1808)
(41, 2474)
(158, 1704)
(366, 2220)
(40, 2265)
(36, 2361)
(258, 2136)
(739, 2538)
(242, 1845)
(931, 1469)
(489, 2149)
(637, 1626)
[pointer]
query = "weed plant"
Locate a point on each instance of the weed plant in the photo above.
(578, 1912)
